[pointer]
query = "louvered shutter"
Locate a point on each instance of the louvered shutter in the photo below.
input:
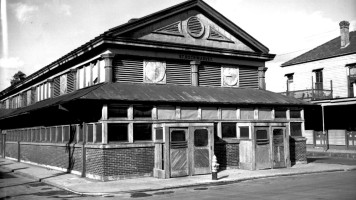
(70, 82)
(56, 87)
(178, 73)
(209, 75)
(128, 70)
(248, 77)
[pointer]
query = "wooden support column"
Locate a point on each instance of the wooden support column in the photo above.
(3, 143)
(84, 155)
(261, 78)
(108, 66)
(104, 116)
(194, 70)
(50, 88)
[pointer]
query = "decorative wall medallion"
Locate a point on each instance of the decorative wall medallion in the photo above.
(155, 72)
(230, 76)
(195, 27)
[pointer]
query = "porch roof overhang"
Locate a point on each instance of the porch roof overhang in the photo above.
(165, 94)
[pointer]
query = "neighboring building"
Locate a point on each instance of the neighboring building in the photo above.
(157, 96)
(326, 76)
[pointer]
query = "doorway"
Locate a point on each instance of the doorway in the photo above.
(278, 147)
(262, 148)
(190, 150)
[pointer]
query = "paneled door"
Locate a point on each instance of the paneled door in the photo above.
(201, 150)
(263, 160)
(179, 152)
(279, 135)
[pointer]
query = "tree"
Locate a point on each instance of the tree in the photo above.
(18, 77)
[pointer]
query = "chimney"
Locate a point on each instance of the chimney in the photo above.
(344, 33)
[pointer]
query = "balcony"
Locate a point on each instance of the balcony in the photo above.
(310, 94)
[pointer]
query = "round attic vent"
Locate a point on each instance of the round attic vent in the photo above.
(195, 27)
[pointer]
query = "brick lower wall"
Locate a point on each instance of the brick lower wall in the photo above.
(66, 157)
(128, 162)
(11, 150)
(227, 154)
(298, 150)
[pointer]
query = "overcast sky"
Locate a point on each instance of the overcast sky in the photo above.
(41, 31)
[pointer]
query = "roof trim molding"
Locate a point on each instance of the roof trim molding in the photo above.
(202, 6)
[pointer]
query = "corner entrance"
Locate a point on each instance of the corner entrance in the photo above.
(186, 151)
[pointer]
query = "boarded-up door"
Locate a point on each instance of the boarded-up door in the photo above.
(262, 148)
(179, 152)
(278, 147)
(201, 150)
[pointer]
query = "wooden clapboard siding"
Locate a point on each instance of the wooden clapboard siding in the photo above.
(248, 77)
(56, 86)
(70, 82)
(128, 70)
(209, 75)
(178, 73)
(333, 69)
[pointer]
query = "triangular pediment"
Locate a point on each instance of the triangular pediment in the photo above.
(190, 23)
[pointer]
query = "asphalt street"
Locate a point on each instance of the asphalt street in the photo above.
(335, 185)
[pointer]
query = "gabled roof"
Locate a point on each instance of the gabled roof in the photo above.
(118, 33)
(133, 92)
(329, 49)
(187, 5)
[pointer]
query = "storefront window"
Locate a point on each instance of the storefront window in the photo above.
(117, 111)
(142, 112)
(295, 114)
(142, 132)
(117, 132)
(244, 132)
(280, 113)
(228, 130)
(296, 129)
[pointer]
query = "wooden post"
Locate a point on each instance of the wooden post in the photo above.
(194, 69)
(331, 88)
(312, 89)
(18, 150)
(83, 150)
(261, 78)
(108, 66)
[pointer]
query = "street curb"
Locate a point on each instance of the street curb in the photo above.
(194, 185)
(128, 192)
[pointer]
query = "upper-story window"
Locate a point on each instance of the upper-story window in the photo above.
(91, 74)
(318, 79)
(42, 92)
(352, 81)
(154, 72)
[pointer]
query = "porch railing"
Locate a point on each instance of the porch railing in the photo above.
(311, 94)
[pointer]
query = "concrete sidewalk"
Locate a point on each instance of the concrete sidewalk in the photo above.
(86, 186)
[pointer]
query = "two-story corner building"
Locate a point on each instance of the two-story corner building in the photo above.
(157, 96)
(326, 76)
